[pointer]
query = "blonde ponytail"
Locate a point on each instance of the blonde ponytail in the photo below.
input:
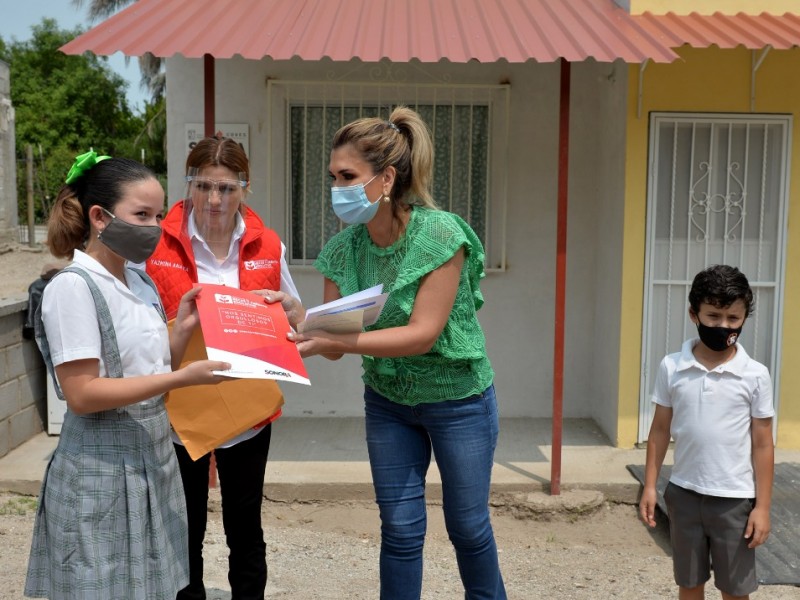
(402, 142)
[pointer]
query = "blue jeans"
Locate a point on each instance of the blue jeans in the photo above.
(462, 435)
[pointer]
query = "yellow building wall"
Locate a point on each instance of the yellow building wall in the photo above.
(708, 7)
(708, 80)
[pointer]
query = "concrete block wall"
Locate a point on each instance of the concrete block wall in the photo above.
(23, 393)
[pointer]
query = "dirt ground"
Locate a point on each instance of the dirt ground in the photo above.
(329, 551)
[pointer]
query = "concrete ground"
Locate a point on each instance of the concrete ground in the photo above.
(326, 459)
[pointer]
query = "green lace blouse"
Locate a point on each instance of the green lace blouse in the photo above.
(456, 367)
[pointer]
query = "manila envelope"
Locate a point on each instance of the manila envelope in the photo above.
(206, 416)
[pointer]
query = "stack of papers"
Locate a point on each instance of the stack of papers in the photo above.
(346, 315)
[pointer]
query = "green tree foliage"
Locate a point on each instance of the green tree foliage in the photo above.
(150, 66)
(65, 105)
(153, 138)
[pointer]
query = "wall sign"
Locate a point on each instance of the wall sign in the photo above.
(237, 131)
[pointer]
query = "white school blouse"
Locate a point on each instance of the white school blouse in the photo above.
(70, 320)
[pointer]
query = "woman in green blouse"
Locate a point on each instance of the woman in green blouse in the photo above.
(428, 382)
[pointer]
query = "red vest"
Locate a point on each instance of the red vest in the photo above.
(173, 269)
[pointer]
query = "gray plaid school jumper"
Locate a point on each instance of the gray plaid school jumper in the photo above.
(111, 522)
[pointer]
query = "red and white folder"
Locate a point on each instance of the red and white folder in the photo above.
(240, 328)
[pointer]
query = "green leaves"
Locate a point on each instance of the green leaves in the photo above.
(65, 105)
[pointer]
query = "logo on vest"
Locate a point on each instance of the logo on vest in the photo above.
(262, 263)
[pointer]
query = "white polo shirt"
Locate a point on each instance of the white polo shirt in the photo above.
(73, 333)
(712, 412)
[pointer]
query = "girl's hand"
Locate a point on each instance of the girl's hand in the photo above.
(294, 310)
(188, 318)
(200, 372)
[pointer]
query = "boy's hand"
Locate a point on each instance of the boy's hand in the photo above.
(647, 506)
(758, 527)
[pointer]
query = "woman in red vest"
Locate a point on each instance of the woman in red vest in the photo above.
(214, 237)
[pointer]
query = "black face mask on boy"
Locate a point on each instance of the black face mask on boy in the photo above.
(718, 338)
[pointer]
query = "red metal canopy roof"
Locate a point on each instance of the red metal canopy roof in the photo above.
(370, 30)
(725, 31)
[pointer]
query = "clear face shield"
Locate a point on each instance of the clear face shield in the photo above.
(214, 196)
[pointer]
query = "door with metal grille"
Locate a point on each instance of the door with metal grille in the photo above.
(717, 194)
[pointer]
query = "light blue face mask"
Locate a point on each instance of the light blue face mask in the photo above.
(351, 205)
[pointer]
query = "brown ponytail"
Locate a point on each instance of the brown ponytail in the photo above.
(67, 226)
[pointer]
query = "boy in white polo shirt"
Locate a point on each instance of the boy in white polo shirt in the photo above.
(716, 403)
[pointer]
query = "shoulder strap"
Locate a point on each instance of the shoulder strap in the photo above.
(108, 338)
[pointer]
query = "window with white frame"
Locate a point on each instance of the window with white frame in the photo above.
(468, 126)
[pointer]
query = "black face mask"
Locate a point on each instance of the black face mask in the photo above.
(718, 338)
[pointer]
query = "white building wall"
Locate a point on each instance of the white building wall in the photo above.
(518, 315)
(595, 240)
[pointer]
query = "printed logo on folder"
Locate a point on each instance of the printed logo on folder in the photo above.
(240, 328)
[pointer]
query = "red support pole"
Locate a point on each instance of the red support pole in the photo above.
(208, 130)
(208, 95)
(561, 278)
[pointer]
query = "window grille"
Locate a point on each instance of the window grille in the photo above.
(469, 130)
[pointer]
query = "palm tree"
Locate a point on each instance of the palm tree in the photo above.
(153, 76)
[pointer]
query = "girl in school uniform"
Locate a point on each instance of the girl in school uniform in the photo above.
(111, 521)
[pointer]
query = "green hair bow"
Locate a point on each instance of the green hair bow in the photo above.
(83, 163)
